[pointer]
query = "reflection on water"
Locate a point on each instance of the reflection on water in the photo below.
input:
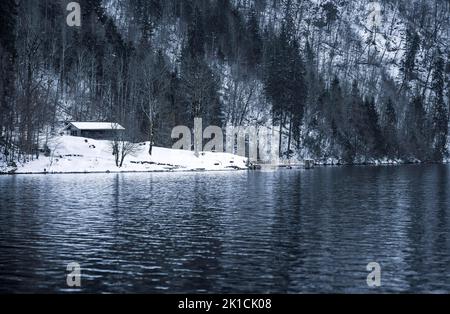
(285, 231)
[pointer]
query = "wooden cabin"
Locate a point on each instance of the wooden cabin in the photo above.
(94, 130)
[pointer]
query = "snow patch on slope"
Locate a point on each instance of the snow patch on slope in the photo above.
(80, 155)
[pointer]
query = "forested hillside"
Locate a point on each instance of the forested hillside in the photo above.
(335, 82)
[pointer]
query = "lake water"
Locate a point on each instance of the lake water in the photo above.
(289, 231)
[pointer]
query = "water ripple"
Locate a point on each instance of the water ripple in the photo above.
(285, 231)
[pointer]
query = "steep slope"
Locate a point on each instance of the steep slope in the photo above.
(347, 80)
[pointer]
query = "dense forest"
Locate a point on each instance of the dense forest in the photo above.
(333, 83)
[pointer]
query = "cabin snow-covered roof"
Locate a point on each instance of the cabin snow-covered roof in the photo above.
(96, 126)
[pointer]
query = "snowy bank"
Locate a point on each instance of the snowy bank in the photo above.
(364, 162)
(81, 155)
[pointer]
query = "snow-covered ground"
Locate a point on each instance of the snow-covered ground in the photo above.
(81, 155)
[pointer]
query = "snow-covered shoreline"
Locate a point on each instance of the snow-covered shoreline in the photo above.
(82, 155)
(78, 155)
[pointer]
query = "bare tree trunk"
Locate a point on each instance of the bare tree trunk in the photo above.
(280, 135)
(151, 127)
(122, 157)
(290, 137)
(198, 128)
(151, 137)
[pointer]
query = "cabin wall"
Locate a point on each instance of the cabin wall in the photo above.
(100, 134)
(94, 134)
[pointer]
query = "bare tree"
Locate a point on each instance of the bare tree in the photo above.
(200, 83)
(152, 83)
(121, 147)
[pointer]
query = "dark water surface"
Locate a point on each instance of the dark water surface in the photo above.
(283, 231)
